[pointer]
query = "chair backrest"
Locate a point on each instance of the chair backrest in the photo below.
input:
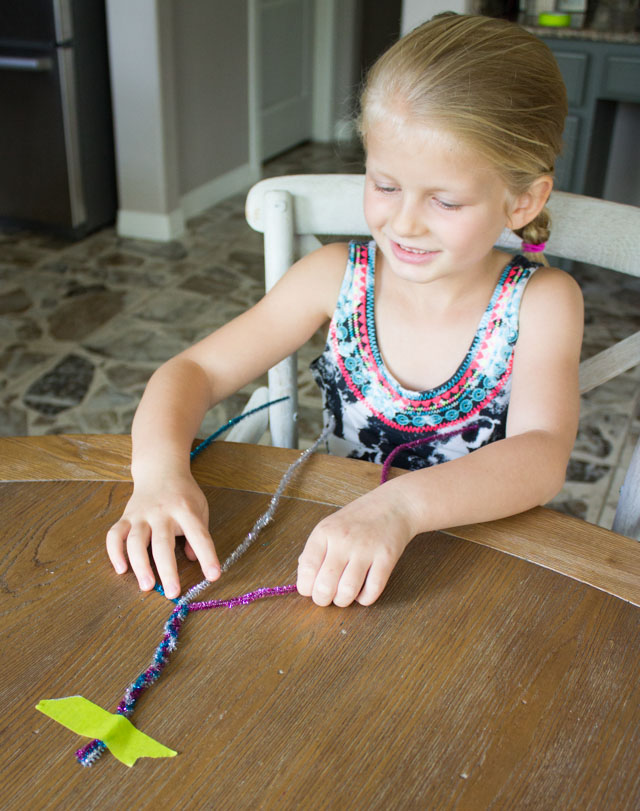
(292, 210)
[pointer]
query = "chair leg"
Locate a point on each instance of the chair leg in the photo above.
(627, 520)
(283, 417)
(279, 255)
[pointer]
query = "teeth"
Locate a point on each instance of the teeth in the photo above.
(413, 250)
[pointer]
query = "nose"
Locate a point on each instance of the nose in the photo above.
(407, 220)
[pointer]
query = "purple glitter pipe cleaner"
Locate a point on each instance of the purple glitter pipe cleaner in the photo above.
(88, 754)
(415, 443)
(245, 599)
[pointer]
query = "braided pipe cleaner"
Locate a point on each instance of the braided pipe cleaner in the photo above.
(87, 755)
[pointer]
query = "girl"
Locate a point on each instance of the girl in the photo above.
(433, 333)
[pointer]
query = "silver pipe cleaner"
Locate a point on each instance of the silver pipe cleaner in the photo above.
(265, 518)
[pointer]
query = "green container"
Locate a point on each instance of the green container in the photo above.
(551, 19)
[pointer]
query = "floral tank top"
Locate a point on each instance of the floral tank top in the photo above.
(373, 413)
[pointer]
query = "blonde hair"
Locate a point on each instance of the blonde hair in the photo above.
(488, 82)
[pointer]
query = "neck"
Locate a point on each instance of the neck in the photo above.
(443, 294)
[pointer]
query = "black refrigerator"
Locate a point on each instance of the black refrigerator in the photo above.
(57, 166)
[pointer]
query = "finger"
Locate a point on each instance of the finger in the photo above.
(351, 582)
(137, 543)
(309, 563)
(200, 543)
(116, 538)
(188, 550)
(376, 581)
(326, 582)
(163, 544)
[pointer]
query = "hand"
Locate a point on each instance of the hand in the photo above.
(351, 553)
(159, 509)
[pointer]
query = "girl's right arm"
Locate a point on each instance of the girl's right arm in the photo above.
(166, 500)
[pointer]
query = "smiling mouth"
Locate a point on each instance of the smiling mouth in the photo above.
(410, 255)
(411, 250)
(417, 251)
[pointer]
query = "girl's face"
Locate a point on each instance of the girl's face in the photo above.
(434, 207)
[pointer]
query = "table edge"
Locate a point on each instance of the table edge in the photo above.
(565, 544)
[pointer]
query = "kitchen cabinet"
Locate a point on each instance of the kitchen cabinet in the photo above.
(598, 75)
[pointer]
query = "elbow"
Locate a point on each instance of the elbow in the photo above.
(553, 481)
(551, 492)
(551, 459)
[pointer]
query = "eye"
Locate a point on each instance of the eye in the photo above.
(384, 189)
(446, 206)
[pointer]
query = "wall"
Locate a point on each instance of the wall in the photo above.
(336, 70)
(345, 33)
(361, 31)
(180, 85)
(141, 62)
(211, 80)
(415, 12)
(184, 75)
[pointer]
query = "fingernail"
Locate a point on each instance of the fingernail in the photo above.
(146, 583)
(212, 573)
(120, 568)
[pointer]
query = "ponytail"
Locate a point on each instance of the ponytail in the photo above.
(534, 236)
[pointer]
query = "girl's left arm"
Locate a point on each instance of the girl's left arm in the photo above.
(350, 555)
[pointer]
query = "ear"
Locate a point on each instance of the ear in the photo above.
(527, 206)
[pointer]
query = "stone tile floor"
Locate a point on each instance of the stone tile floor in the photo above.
(84, 324)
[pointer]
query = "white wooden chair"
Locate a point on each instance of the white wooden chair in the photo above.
(292, 210)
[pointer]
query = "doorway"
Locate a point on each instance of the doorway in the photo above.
(306, 62)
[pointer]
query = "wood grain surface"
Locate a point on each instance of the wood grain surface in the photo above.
(562, 543)
(478, 680)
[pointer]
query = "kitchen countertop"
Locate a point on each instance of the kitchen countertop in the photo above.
(588, 34)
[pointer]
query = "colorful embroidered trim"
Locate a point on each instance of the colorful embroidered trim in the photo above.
(481, 376)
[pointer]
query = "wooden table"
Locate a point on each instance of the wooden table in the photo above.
(478, 680)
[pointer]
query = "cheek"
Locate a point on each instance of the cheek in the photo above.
(366, 203)
(475, 233)
(461, 233)
(478, 223)
(373, 210)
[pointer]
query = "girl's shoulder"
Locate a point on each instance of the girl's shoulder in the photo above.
(335, 254)
(550, 280)
(317, 277)
(326, 265)
(552, 293)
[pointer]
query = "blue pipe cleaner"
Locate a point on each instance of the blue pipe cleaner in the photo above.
(233, 421)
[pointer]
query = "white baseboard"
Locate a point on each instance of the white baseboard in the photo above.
(145, 225)
(165, 227)
(218, 189)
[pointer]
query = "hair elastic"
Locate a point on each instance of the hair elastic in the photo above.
(529, 247)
